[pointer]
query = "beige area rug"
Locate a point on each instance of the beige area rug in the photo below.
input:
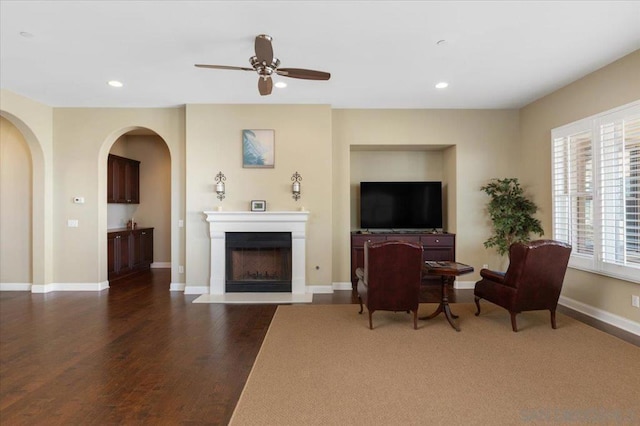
(321, 365)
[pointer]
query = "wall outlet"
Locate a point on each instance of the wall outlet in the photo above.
(181, 269)
(72, 223)
(180, 223)
(635, 301)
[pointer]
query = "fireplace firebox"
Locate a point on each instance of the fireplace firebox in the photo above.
(258, 262)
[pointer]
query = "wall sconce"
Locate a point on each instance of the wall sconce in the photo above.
(220, 178)
(295, 187)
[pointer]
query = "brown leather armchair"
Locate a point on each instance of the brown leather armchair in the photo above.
(390, 279)
(533, 280)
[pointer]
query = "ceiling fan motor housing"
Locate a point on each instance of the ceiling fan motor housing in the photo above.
(262, 68)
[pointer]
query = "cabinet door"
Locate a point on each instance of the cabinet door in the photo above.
(111, 180)
(142, 248)
(124, 241)
(136, 249)
(439, 247)
(112, 255)
(146, 246)
(132, 181)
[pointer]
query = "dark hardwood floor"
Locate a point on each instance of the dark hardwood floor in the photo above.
(137, 353)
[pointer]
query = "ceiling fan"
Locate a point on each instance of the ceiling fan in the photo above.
(265, 64)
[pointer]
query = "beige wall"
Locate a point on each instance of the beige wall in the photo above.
(302, 144)
(15, 206)
(389, 165)
(612, 86)
(35, 123)
(475, 146)
(83, 138)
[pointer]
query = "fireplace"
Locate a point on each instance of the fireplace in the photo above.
(222, 224)
(258, 262)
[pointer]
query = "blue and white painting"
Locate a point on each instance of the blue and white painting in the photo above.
(258, 148)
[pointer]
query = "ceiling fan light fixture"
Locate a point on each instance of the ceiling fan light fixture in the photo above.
(442, 85)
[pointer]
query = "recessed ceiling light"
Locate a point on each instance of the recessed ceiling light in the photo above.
(115, 83)
(26, 34)
(442, 85)
(281, 84)
(441, 42)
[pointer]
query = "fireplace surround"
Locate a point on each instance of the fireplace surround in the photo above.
(223, 222)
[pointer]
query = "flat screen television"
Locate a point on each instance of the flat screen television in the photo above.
(400, 205)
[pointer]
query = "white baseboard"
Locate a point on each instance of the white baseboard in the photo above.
(341, 285)
(464, 285)
(196, 289)
(47, 288)
(15, 286)
(319, 289)
(177, 287)
(599, 314)
(160, 265)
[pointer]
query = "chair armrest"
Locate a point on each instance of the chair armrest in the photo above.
(360, 273)
(492, 275)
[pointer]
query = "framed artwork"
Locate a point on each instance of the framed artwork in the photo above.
(258, 148)
(258, 205)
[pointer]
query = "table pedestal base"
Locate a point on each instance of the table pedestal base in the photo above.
(443, 307)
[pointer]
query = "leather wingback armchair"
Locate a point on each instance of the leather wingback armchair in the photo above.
(390, 279)
(533, 280)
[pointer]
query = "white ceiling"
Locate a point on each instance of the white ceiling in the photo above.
(381, 54)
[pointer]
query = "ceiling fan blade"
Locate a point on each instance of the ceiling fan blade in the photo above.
(304, 74)
(264, 49)
(224, 67)
(265, 85)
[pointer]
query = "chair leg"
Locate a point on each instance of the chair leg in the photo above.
(370, 320)
(477, 300)
(553, 319)
(360, 300)
(514, 326)
(415, 319)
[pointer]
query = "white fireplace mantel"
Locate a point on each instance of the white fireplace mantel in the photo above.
(221, 222)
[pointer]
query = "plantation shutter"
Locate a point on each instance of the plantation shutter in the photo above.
(573, 191)
(620, 190)
(596, 191)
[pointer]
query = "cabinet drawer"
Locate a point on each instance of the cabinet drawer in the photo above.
(405, 238)
(359, 240)
(437, 240)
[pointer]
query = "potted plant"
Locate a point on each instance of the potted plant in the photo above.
(511, 214)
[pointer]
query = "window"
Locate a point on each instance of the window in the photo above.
(596, 191)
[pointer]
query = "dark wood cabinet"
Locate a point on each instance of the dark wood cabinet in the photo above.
(123, 180)
(129, 251)
(436, 247)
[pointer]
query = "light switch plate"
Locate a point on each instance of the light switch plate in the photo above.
(72, 223)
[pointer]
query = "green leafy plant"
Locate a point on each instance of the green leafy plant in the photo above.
(511, 213)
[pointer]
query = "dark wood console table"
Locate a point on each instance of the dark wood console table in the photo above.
(447, 271)
(436, 246)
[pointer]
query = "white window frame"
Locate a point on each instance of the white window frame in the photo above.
(564, 229)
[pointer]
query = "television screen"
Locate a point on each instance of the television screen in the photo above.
(401, 205)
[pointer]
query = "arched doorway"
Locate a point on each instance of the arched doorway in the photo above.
(154, 207)
(16, 209)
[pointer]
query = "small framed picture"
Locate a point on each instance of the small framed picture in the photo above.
(258, 205)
